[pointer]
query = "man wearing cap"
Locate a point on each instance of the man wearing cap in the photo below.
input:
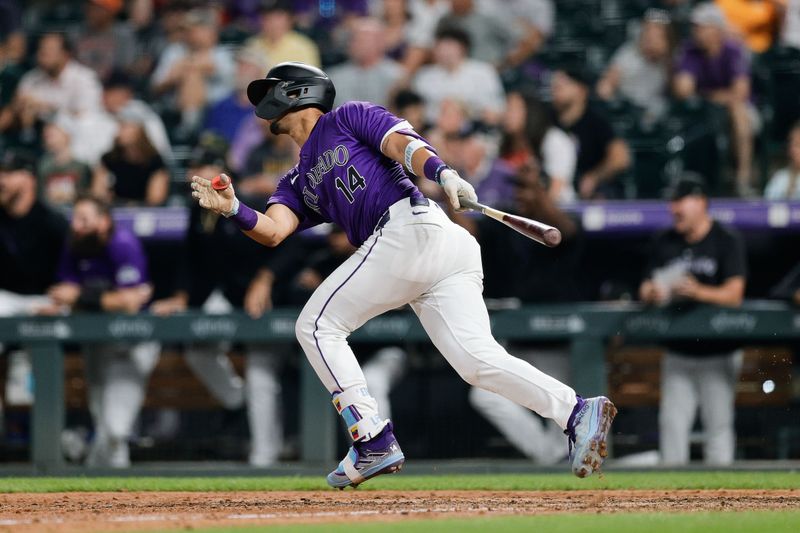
(196, 73)
(697, 261)
(602, 155)
(101, 43)
(277, 40)
(31, 239)
(104, 269)
(225, 117)
(717, 68)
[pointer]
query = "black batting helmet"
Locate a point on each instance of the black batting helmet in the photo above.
(289, 86)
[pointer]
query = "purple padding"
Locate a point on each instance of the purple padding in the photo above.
(615, 217)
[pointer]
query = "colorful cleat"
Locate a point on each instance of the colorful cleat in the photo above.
(588, 429)
(367, 459)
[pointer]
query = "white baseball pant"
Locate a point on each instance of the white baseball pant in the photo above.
(540, 440)
(705, 382)
(116, 376)
(420, 257)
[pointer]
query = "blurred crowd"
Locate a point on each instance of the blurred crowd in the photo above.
(537, 103)
(111, 95)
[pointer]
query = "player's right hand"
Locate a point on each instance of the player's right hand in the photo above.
(219, 201)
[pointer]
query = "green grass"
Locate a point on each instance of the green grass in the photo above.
(612, 480)
(756, 521)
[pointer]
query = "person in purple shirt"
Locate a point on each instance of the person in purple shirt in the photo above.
(104, 269)
(717, 68)
(353, 172)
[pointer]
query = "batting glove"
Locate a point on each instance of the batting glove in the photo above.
(456, 188)
(223, 202)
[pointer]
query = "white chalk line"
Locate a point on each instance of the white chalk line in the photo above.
(259, 516)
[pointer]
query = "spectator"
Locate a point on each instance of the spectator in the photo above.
(32, 234)
(754, 21)
(60, 84)
(12, 54)
(698, 260)
(639, 70)
(454, 75)
(409, 105)
(267, 163)
(32, 237)
(149, 35)
(368, 75)
(531, 22)
(717, 69)
(132, 172)
(516, 270)
(790, 23)
(602, 156)
(425, 15)
(103, 44)
(277, 41)
(119, 101)
(252, 282)
(396, 17)
(196, 73)
(104, 269)
(61, 176)
(225, 117)
(528, 129)
(489, 36)
(785, 183)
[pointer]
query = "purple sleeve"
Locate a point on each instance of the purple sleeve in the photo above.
(285, 194)
(369, 123)
(66, 268)
(128, 259)
(688, 62)
(739, 62)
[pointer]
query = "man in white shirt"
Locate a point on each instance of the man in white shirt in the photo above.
(58, 83)
(61, 85)
(453, 75)
(369, 75)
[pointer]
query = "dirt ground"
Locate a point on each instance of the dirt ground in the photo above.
(135, 511)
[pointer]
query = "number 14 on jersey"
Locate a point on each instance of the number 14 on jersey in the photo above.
(355, 181)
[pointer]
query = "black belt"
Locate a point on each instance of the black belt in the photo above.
(415, 201)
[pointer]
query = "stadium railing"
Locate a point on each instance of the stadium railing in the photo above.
(588, 328)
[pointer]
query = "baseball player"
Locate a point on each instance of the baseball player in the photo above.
(352, 171)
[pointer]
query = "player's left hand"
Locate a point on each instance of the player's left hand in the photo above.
(456, 187)
(258, 298)
(218, 200)
(688, 287)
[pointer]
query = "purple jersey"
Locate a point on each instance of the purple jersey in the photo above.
(121, 264)
(713, 73)
(342, 175)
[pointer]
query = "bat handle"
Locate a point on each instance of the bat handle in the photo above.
(469, 204)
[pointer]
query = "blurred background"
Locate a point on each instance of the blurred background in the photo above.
(629, 124)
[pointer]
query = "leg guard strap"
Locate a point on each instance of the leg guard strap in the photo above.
(359, 427)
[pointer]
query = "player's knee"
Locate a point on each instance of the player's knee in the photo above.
(304, 328)
(471, 373)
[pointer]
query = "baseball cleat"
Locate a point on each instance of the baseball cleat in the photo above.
(367, 459)
(587, 430)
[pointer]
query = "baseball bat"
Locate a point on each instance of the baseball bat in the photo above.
(533, 229)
